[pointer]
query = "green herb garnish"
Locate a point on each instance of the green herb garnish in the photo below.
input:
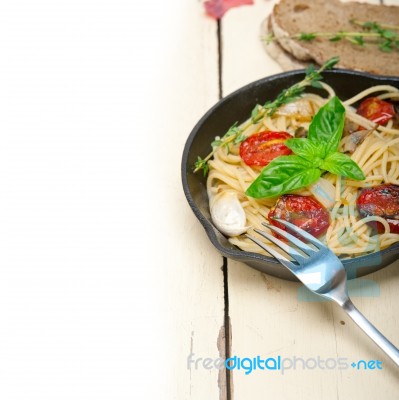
(312, 156)
(386, 37)
(312, 78)
(232, 136)
(235, 135)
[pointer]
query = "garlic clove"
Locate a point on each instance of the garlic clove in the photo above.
(301, 109)
(228, 214)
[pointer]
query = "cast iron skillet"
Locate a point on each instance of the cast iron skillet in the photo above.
(237, 107)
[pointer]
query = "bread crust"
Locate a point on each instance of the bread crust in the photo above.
(291, 17)
(286, 60)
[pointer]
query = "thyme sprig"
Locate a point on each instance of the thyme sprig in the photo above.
(235, 134)
(312, 78)
(386, 37)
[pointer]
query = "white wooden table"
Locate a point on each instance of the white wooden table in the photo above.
(108, 283)
(266, 316)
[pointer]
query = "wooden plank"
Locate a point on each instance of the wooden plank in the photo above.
(271, 317)
(270, 320)
(244, 59)
(191, 277)
(108, 281)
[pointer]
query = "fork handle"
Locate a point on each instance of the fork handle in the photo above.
(371, 331)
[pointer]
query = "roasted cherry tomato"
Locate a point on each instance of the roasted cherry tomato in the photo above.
(382, 201)
(376, 110)
(303, 211)
(261, 148)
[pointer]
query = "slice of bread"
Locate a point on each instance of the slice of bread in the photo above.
(286, 60)
(290, 17)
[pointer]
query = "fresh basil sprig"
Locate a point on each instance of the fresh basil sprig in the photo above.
(312, 156)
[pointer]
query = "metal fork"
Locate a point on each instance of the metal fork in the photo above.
(321, 271)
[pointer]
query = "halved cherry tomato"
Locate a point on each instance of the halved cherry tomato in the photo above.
(303, 211)
(261, 148)
(376, 110)
(382, 201)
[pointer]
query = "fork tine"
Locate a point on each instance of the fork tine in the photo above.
(283, 246)
(310, 238)
(291, 238)
(279, 257)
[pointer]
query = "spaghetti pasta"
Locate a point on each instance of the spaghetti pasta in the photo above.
(348, 234)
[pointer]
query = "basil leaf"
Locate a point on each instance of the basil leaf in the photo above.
(327, 126)
(282, 175)
(303, 147)
(314, 154)
(342, 164)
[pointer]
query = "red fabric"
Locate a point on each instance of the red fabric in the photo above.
(217, 8)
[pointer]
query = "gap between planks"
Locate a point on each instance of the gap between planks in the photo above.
(225, 380)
